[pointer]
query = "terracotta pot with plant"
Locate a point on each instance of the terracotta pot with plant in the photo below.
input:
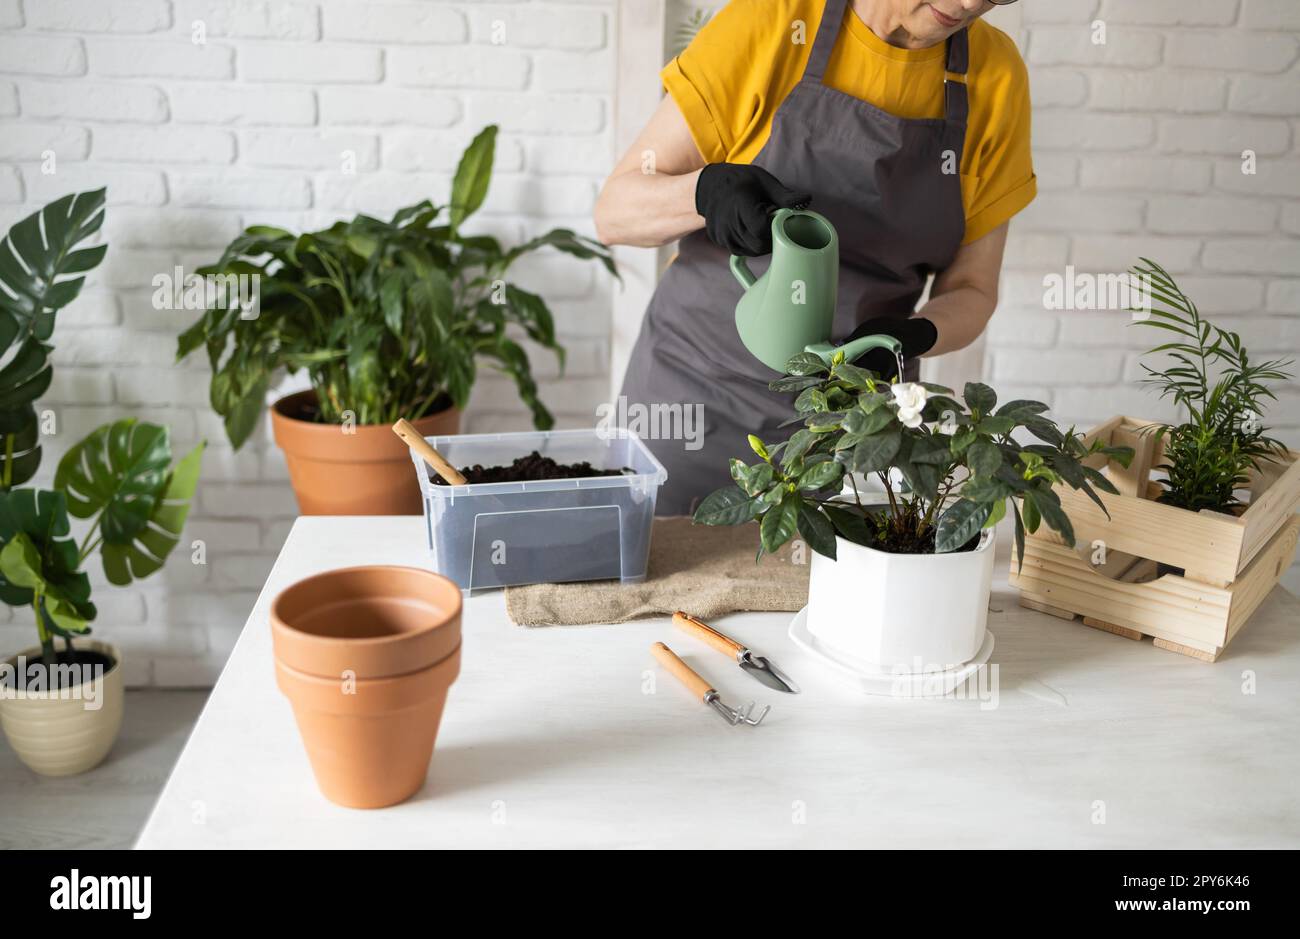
(896, 488)
(366, 656)
(61, 708)
(388, 319)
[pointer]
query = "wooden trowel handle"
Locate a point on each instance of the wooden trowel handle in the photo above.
(415, 440)
(681, 671)
(689, 624)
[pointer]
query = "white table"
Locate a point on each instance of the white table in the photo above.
(573, 737)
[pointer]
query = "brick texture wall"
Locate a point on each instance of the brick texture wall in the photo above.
(252, 125)
(1138, 146)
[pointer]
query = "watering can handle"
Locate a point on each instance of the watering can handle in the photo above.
(742, 271)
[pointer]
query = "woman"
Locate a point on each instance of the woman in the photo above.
(859, 109)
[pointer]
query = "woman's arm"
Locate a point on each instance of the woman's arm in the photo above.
(649, 198)
(965, 294)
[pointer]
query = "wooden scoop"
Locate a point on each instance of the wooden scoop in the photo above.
(415, 440)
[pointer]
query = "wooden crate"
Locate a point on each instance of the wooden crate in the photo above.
(1110, 577)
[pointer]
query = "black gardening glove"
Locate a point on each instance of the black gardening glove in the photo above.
(917, 334)
(737, 201)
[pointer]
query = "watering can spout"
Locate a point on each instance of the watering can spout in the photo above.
(791, 307)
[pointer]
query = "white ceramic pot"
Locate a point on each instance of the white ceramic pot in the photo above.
(67, 732)
(905, 612)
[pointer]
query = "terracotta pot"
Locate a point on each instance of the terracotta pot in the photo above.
(63, 733)
(366, 656)
(365, 472)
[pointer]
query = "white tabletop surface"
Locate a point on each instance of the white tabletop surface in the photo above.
(573, 737)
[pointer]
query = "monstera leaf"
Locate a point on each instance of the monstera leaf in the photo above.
(39, 261)
(39, 559)
(116, 472)
(119, 476)
(20, 446)
(23, 379)
(36, 259)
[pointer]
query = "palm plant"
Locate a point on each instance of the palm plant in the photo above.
(388, 318)
(120, 476)
(1211, 377)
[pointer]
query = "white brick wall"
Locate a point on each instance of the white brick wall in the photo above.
(1137, 142)
(196, 141)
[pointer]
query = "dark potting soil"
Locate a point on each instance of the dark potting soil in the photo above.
(80, 658)
(308, 410)
(903, 542)
(923, 545)
(528, 468)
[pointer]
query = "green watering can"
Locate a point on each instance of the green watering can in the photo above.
(791, 308)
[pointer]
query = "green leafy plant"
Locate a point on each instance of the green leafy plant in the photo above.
(120, 477)
(959, 464)
(1209, 455)
(41, 268)
(388, 318)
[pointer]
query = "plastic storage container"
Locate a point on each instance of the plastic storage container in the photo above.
(488, 535)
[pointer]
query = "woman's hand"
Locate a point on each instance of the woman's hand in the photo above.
(965, 293)
(962, 299)
(916, 333)
(737, 201)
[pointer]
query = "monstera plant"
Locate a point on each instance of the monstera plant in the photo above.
(120, 478)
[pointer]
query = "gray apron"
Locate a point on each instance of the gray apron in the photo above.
(880, 180)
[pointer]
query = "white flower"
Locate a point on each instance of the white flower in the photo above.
(910, 399)
(911, 417)
(910, 395)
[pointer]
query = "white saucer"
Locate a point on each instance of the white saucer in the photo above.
(879, 680)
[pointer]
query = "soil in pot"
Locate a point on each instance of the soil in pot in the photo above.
(901, 539)
(82, 658)
(306, 408)
(529, 468)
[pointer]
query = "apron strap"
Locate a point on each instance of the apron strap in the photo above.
(956, 105)
(827, 32)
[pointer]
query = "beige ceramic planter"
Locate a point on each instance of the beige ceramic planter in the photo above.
(60, 734)
(366, 656)
(365, 472)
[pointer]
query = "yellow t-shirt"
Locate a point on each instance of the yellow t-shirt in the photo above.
(735, 74)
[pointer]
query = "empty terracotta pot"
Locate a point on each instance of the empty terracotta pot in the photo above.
(366, 656)
(365, 471)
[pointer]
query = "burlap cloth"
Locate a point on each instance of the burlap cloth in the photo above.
(702, 569)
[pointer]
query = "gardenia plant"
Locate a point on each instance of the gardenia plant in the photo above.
(949, 467)
(1208, 456)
